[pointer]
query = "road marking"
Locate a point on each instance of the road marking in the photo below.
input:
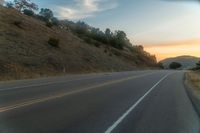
(44, 84)
(116, 123)
(35, 101)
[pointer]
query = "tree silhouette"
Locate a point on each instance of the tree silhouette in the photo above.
(175, 65)
(46, 13)
(20, 5)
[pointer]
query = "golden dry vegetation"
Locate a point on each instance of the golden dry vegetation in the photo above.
(193, 79)
(25, 52)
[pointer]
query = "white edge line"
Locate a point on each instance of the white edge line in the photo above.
(116, 123)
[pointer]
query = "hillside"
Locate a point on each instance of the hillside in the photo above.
(186, 61)
(25, 51)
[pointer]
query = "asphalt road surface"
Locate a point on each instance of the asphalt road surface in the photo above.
(126, 102)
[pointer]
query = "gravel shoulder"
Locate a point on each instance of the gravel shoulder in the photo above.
(192, 84)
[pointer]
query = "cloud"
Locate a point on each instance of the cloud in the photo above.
(1, 2)
(84, 8)
(189, 42)
(182, 0)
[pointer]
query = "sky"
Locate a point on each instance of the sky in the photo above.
(1, 2)
(166, 28)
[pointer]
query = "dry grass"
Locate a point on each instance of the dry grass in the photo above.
(193, 79)
(25, 52)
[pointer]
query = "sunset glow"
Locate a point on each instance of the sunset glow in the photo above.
(173, 49)
(166, 28)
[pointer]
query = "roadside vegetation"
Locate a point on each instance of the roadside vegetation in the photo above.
(175, 65)
(35, 43)
(117, 39)
(193, 85)
(193, 77)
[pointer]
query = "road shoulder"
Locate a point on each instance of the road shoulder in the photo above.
(192, 85)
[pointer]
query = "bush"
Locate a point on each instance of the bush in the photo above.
(54, 42)
(28, 12)
(198, 65)
(49, 24)
(18, 24)
(97, 44)
(175, 65)
(88, 40)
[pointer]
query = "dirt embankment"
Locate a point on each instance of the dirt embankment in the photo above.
(26, 53)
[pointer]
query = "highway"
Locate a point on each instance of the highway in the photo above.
(153, 101)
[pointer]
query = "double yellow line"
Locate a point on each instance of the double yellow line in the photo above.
(35, 101)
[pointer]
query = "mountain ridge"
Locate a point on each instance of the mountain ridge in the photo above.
(186, 61)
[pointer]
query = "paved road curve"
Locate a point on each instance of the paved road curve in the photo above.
(127, 102)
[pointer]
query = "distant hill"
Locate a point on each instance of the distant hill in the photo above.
(186, 61)
(29, 48)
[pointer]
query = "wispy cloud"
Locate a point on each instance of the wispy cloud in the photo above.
(1, 2)
(182, 0)
(84, 8)
(188, 42)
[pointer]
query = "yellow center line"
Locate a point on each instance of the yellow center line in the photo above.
(35, 101)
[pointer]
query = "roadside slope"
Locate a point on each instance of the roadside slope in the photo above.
(193, 87)
(25, 52)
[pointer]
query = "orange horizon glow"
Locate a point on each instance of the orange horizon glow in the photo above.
(176, 48)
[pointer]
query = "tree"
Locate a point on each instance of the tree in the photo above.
(82, 28)
(108, 32)
(54, 42)
(1, 2)
(119, 40)
(47, 14)
(108, 35)
(20, 5)
(9, 4)
(175, 65)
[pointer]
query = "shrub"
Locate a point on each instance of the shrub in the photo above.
(175, 65)
(49, 24)
(54, 42)
(117, 53)
(88, 40)
(28, 12)
(97, 44)
(18, 23)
